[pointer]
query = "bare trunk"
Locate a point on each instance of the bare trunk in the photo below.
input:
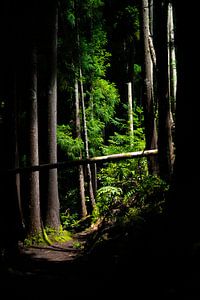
(80, 168)
(34, 226)
(53, 205)
(165, 146)
(171, 62)
(90, 186)
(130, 112)
(150, 123)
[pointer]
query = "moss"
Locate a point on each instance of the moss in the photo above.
(58, 236)
(35, 239)
(48, 236)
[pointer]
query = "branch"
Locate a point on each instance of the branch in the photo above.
(106, 158)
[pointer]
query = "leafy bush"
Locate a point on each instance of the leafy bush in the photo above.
(69, 145)
(106, 197)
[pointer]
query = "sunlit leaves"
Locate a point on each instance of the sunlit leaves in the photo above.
(71, 146)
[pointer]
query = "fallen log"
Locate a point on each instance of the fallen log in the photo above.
(92, 160)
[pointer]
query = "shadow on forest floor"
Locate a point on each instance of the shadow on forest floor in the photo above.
(133, 263)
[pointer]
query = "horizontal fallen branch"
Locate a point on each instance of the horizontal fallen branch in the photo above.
(97, 159)
(124, 155)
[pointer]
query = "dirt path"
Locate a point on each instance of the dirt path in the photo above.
(65, 269)
(57, 252)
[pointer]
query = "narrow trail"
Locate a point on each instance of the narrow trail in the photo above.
(118, 269)
(46, 260)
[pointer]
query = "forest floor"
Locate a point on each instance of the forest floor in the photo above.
(135, 263)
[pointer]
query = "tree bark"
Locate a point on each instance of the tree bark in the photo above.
(90, 186)
(149, 118)
(171, 62)
(53, 205)
(130, 112)
(80, 168)
(34, 220)
(165, 146)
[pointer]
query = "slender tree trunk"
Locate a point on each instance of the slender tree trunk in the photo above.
(171, 62)
(80, 168)
(89, 173)
(150, 123)
(53, 205)
(34, 220)
(151, 47)
(165, 146)
(130, 112)
(91, 192)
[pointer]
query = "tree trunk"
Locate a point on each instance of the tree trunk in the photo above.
(149, 118)
(165, 146)
(80, 168)
(185, 206)
(171, 62)
(130, 112)
(53, 205)
(11, 225)
(10, 221)
(34, 220)
(90, 186)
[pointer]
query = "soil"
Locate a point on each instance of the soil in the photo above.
(128, 266)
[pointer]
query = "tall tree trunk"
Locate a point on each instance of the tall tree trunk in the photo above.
(17, 152)
(89, 173)
(185, 206)
(149, 118)
(90, 186)
(165, 146)
(34, 220)
(80, 168)
(53, 205)
(130, 111)
(10, 222)
(171, 62)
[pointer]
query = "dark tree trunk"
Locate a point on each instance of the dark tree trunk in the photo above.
(34, 218)
(149, 118)
(185, 204)
(165, 146)
(10, 223)
(53, 205)
(78, 135)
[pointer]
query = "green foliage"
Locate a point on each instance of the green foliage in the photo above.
(58, 236)
(71, 17)
(132, 14)
(70, 221)
(100, 112)
(104, 97)
(120, 143)
(149, 191)
(71, 146)
(48, 236)
(146, 196)
(95, 58)
(95, 136)
(86, 46)
(137, 70)
(34, 239)
(106, 197)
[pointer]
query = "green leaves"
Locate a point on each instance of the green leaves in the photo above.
(71, 146)
(106, 197)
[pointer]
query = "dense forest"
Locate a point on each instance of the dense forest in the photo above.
(98, 121)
